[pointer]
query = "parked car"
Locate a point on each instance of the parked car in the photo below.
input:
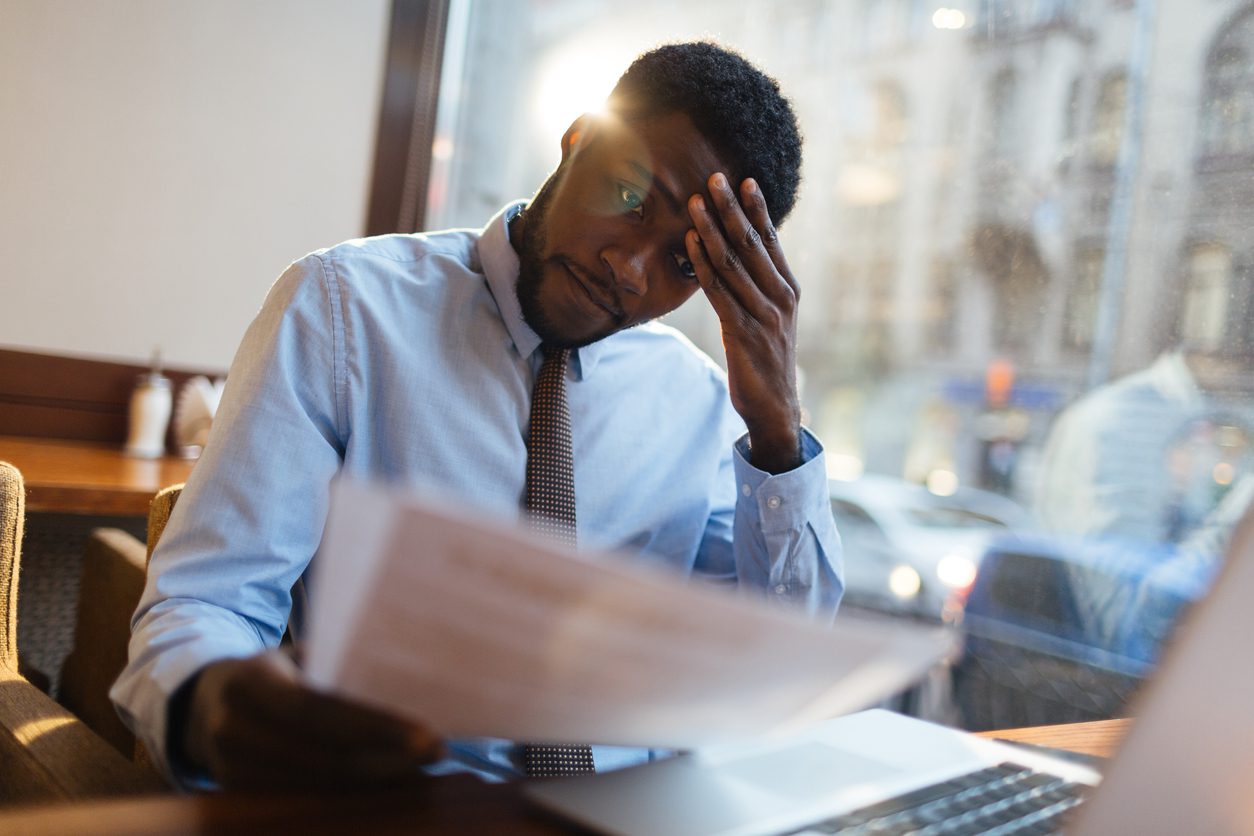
(908, 550)
(1059, 630)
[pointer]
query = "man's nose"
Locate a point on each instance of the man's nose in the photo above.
(629, 269)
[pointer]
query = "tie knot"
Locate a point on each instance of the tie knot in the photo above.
(554, 354)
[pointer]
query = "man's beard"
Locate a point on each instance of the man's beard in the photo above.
(531, 273)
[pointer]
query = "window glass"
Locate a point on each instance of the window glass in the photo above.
(1025, 236)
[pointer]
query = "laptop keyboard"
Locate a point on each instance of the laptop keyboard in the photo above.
(998, 801)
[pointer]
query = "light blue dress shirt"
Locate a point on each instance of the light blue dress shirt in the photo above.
(405, 359)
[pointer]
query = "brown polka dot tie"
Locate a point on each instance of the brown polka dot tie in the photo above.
(550, 507)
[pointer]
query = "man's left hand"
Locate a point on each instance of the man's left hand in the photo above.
(740, 264)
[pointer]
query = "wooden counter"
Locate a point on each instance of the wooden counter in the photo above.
(79, 477)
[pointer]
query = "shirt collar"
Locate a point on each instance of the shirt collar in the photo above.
(500, 267)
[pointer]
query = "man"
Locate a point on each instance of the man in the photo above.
(412, 359)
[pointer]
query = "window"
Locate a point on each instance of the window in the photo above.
(881, 314)
(1010, 261)
(941, 310)
(1082, 300)
(1108, 119)
(1207, 298)
(889, 23)
(1006, 19)
(891, 117)
(939, 240)
(1227, 120)
(1068, 144)
(1071, 113)
(1003, 115)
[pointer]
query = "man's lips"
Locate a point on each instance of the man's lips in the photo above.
(593, 289)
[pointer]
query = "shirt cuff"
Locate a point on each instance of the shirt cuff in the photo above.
(160, 666)
(786, 500)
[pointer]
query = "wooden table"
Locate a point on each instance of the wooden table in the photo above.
(1101, 738)
(458, 804)
(78, 477)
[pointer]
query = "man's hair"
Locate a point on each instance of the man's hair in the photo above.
(736, 107)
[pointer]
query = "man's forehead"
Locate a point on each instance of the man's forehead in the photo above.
(666, 146)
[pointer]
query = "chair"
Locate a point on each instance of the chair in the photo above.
(159, 514)
(111, 582)
(46, 753)
(114, 569)
(12, 519)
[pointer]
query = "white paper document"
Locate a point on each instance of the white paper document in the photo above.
(480, 629)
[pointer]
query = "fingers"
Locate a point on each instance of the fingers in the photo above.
(741, 243)
(721, 299)
(266, 728)
(733, 244)
(754, 203)
(332, 721)
(253, 757)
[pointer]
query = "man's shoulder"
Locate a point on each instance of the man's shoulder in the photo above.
(388, 275)
(402, 248)
(383, 269)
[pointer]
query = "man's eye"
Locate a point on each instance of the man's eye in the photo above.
(685, 266)
(630, 200)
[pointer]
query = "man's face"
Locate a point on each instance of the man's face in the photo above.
(602, 244)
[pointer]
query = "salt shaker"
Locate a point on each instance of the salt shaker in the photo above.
(149, 413)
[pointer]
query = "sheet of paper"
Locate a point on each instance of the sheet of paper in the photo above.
(479, 629)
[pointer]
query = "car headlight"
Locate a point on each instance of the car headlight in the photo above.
(956, 570)
(904, 582)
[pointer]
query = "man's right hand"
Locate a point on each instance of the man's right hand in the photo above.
(254, 724)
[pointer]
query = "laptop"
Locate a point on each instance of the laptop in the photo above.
(1186, 766)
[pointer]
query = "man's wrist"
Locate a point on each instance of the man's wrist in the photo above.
(775, 452)
(183, 753)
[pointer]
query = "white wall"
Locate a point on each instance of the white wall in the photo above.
(162, 161)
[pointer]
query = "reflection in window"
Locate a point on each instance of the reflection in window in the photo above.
(1204, 315)
(1228, 104)
(1108, 118)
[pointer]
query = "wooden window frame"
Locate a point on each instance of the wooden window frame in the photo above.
(407, 116)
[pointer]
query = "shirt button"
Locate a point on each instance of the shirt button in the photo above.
(780, 589)
(774, 502)
(746, 490)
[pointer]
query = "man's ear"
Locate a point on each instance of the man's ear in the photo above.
(578, 134)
